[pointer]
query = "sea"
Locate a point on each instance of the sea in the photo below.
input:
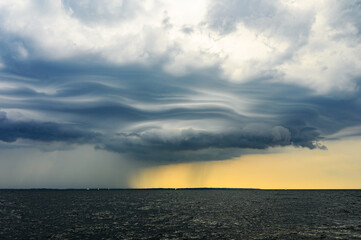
(180, 214)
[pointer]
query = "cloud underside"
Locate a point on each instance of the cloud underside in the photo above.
(185, 81)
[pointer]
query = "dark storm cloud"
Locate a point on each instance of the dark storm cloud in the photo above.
(11, 130)
(131, 113)
(146, 113)
(104, 102)
(191, 145)
(190, 139)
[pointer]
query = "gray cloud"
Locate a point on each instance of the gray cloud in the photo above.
(170, 117)
(225, 15)
(107, 12)
(266, 16)
(83, 94)
(11, 130)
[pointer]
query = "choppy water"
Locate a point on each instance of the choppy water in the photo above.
(184, 214)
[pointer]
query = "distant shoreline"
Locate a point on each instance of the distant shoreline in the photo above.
(165, 189)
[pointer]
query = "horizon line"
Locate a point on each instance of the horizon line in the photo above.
(191, 188)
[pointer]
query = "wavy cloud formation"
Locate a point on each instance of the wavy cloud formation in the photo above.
(179, 81)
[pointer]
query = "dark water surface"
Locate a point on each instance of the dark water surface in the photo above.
(180, 214)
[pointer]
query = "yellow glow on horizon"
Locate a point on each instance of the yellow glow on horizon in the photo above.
(293, 168)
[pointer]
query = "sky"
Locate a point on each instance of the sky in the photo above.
(185, 93)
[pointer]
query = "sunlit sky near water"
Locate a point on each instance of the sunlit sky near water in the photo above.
(253, 94)
(289, 168)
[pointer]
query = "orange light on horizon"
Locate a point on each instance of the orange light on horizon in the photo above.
(293, 168)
